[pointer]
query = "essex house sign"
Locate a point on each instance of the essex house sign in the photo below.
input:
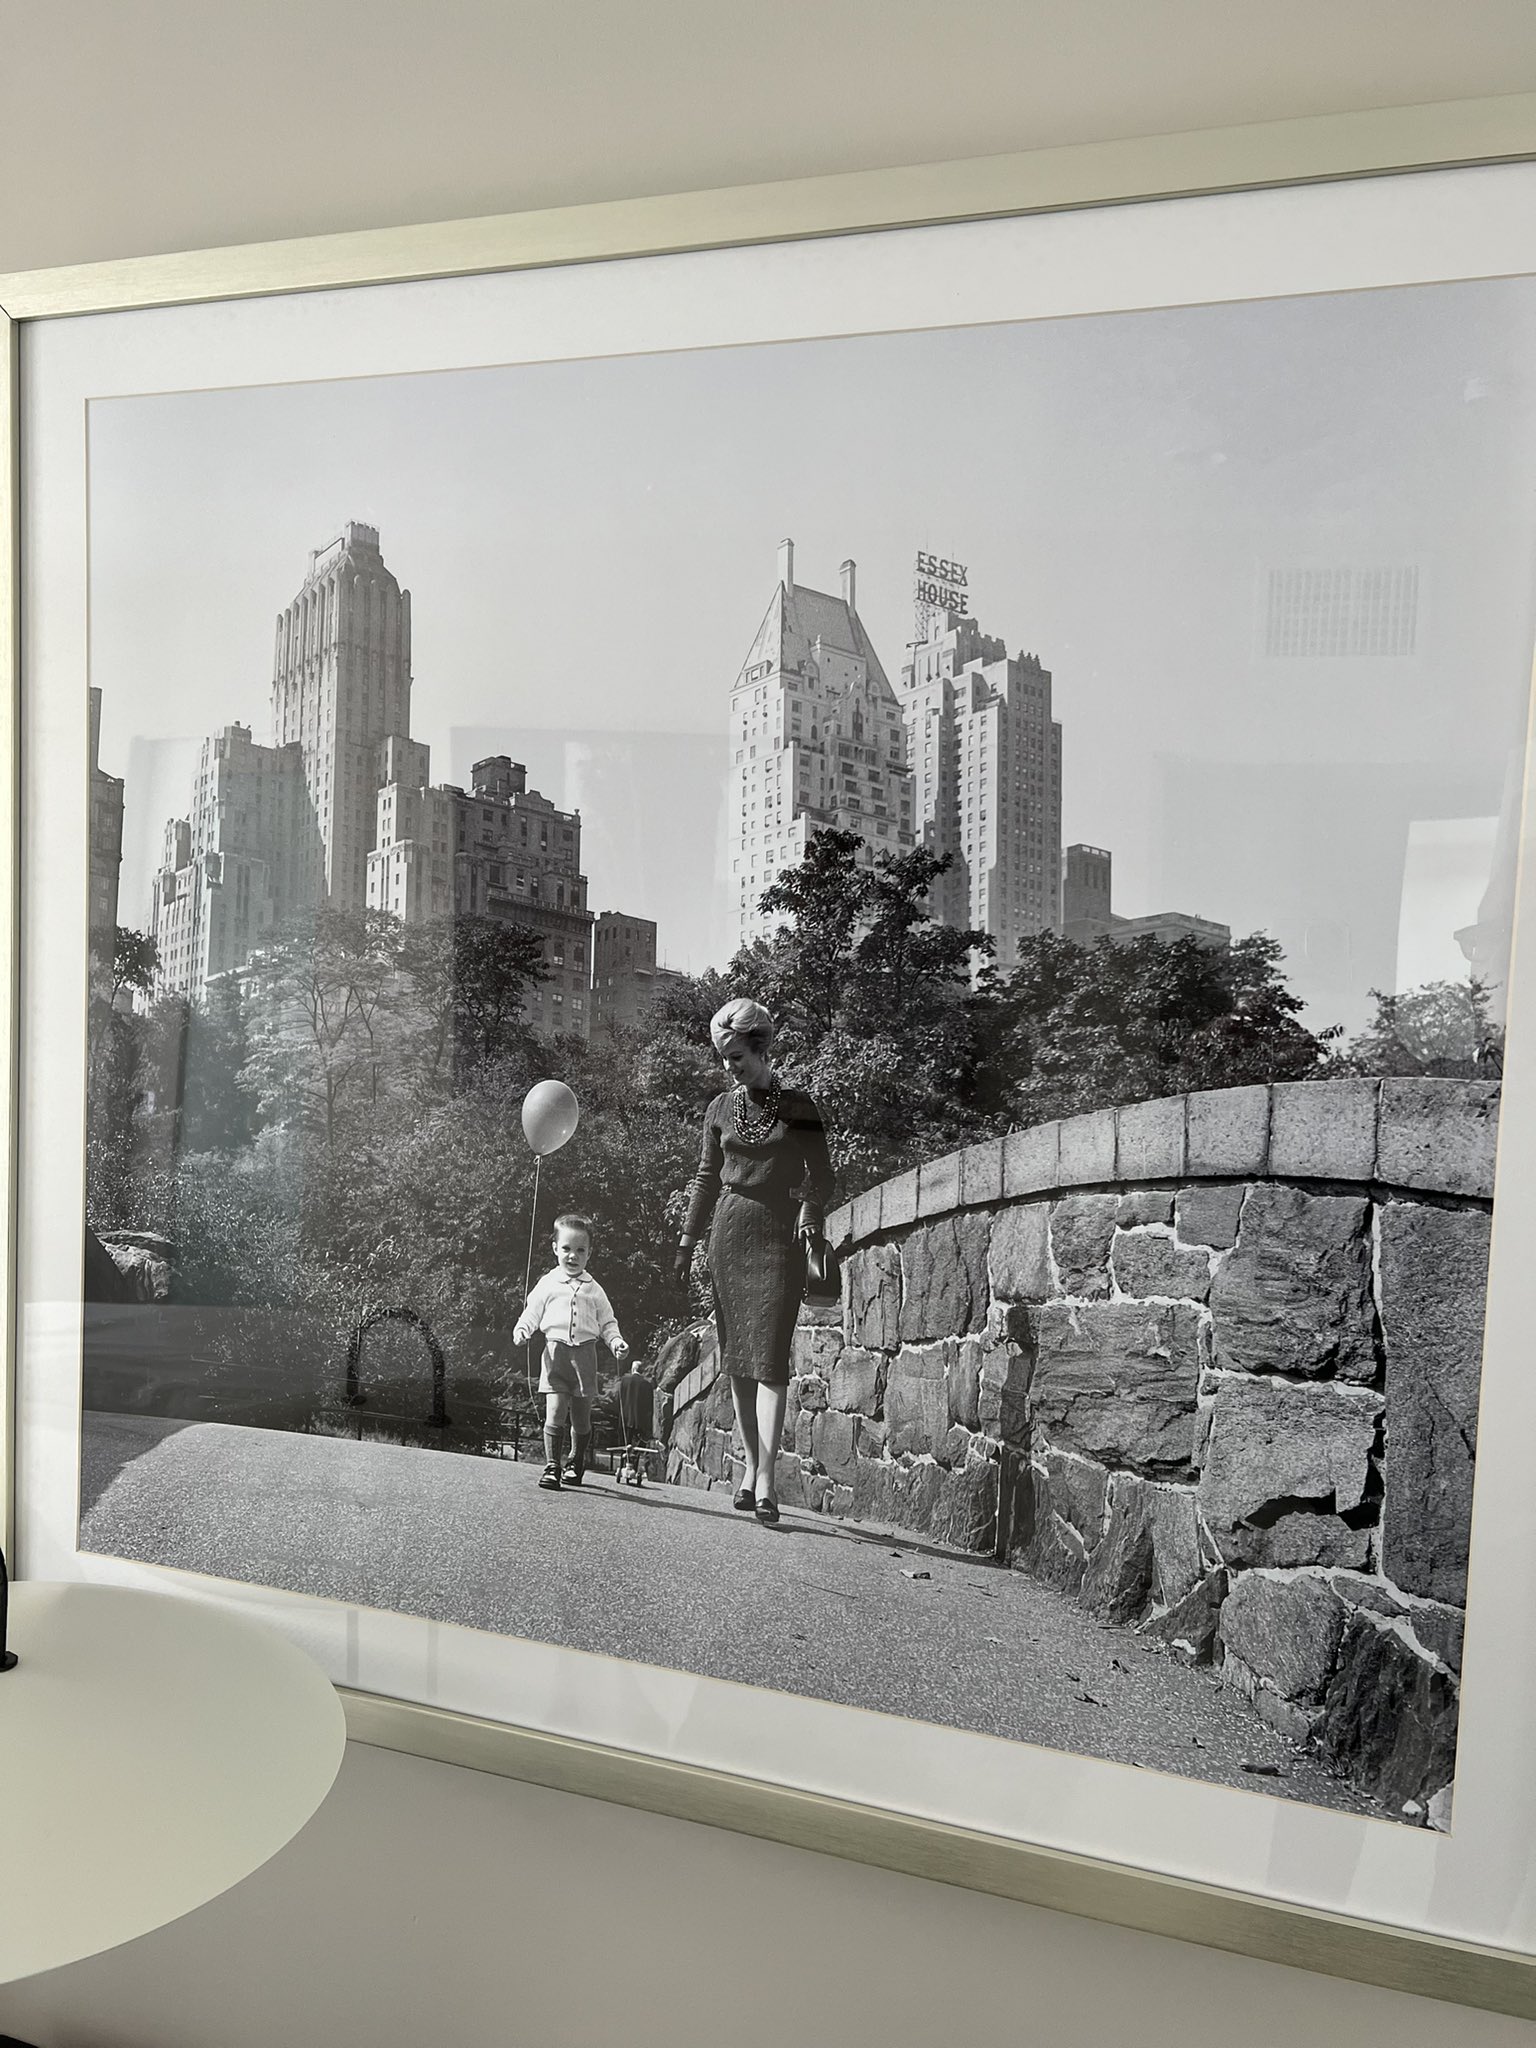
(938, 585)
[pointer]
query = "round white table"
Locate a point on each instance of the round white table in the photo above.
(153, 1751)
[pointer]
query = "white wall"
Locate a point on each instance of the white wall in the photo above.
(426, 1904)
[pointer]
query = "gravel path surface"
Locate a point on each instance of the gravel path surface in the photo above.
(673, 1577)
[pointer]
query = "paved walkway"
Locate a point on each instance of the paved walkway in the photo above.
(673, 1577)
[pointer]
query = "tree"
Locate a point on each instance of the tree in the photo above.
(1092, 1026)
(860, 949)
(219, 1105)
(321, 989)
(903, 959)
(468, 980)
(673, 1055)
(1443, 1028)
(135, 962)
(495, 964)
(807, 969)
(116, 1093)
(878, 1014)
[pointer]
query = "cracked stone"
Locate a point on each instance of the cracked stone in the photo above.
(872, 1291)
(1150, 1554)
(1286, 1630)
(833, 1440)
(1082, 1230)
(856, 1382)
(1287, 1474)
(1295, 1294)
(1117, 1381)
(1019, 1259)
(963, 1382)
(1046, 1545)
(1117, 1582)
(1389, 1719)
(1434, 1276)
(917, 1400)
(1002, 1394)
(944, 1290)
(1188, 1630)
(1078, 1491)
(1148, 1262)
(1209, 1215)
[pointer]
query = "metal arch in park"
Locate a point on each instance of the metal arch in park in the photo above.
(356, 1398)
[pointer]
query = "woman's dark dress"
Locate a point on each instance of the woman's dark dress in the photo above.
(760, 1196)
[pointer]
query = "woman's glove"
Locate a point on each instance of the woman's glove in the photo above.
(682, 1264)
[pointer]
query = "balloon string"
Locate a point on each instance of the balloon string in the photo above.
(533, 1224)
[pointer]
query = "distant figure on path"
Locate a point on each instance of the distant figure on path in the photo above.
(765, 1177)
(573, 1312)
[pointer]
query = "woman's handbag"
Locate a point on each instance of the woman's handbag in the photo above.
(823, 1274)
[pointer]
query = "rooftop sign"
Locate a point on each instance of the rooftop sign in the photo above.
(938, 585)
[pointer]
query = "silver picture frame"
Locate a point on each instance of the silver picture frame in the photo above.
(1329, 148)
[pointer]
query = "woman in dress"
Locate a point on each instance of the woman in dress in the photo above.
(765, 1178)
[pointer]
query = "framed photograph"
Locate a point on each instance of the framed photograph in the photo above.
(774, 1045)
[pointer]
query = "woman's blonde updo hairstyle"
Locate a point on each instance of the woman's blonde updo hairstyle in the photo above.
(741, 1019)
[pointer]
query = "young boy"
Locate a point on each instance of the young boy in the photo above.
(573, 1312)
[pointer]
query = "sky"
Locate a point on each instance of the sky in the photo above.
(591, 545)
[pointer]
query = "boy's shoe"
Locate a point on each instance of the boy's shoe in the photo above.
(551, 1479)
(572, 1475)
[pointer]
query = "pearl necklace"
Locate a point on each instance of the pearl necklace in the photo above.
(754, 1125)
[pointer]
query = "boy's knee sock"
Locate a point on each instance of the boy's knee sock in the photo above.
(581, 1445)
(554, 1443)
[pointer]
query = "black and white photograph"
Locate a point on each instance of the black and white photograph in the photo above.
(830, 1014)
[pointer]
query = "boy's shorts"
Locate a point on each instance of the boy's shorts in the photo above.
(569, 1369)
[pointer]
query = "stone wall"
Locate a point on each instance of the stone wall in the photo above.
(1209, 1365)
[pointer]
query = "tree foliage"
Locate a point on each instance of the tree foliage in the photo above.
(1445, 1028)
(1087, 1026)
(469, 978)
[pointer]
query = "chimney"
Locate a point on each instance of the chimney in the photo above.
(787, 566)
(848, 576)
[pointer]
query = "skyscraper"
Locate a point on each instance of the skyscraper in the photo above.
(410, 866)
(498, 850)
(236, 865)
(1086, 886)
(625, 976)
(106, 844)
(816, 740)
(986, 771)
(341, 686)
(1086, 915)
(274, 829)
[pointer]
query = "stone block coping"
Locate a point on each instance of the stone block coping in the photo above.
(1419, 1135)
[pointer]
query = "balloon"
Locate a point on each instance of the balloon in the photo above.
(550, 1113)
